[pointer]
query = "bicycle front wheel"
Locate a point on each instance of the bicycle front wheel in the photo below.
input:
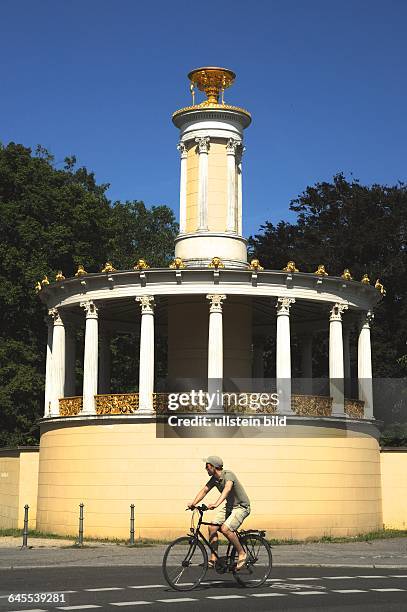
(258, 564)
(185, 563)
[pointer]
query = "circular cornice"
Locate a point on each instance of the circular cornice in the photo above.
(212, 111)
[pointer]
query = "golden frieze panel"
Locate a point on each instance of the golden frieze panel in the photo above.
(354, 408)
(70, 406)
(117, 403)
(311, 405)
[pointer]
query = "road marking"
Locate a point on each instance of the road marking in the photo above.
(385, 590)
(274, 579)
(105, 589)
(312, 578)
(32, 610)
(309, 592)
(371, 576)
(226, 597)
(146, 586)
(130, 603)
(337, 577)
(269, 594)
(349, 591)
(398, 576)
(177, 600)
(83, 607)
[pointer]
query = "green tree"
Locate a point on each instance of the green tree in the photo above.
(344, 224)
(53, 219)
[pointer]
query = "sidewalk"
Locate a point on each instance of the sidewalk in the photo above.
(387, 553)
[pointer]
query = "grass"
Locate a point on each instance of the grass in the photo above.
(143, 542)
(382, 534)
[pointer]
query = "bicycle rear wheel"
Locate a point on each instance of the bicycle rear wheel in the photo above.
(258, 564)
(185, 563)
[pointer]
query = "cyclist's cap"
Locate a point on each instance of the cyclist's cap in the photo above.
(214, 460)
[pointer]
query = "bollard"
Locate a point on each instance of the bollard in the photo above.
(131, 543)
(80, 538)
(25, 531)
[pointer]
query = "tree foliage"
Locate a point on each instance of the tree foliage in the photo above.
(344, 224)
(53, 219)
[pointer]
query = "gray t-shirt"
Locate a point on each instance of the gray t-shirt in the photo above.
(237, 495)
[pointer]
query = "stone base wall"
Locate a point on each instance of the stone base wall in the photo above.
(327, 482)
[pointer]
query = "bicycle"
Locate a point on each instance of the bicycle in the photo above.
(185, 560)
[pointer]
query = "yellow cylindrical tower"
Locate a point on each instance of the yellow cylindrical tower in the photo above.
(211, 148)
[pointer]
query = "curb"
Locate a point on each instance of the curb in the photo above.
(350, 565)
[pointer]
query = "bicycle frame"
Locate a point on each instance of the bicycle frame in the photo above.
(197, 533)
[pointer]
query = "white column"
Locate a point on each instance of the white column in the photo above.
(346, 360)
(215, 347)
(183, 188)
(258, 357)
(231, 147)
(336, 364)
(283, 355)
(365, 365)
(90, 361)
(70, 361)
(48, 368)
(203, 142)
(306, 362)
(105, 363)
(240, 152)
(146, 366)
(58, 361)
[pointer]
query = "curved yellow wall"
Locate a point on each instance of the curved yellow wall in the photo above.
(298, 486)
(217, 187)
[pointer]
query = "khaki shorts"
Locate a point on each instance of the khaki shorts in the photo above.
(234, 519)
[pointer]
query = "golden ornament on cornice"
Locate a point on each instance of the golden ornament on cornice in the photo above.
(216, 263)
(59, 276)
(290, 267)
(255, 265)
(38, 286)
(365, 279)
(212, 80)
(108, 267)
(177, 263)
(380, 287)
(70, 406)
(45, 281)
(346, 275)
(80, 271)
(320, 271)
(141, 265)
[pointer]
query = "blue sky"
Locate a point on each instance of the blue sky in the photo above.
(324, 81)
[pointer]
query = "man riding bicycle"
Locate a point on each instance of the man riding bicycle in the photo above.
(232, 515)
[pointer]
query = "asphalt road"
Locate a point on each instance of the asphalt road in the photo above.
(128, 588)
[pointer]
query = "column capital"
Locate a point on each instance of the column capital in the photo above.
(239, 152)
(182, 149)
(283, 305)
(146, 303)
(366, 319)
(91, 310)
(55, 315)
(203, 143)
(337, 310)
(216, 302)
(232, 145)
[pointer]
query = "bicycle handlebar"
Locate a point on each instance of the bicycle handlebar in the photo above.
(200, 509)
